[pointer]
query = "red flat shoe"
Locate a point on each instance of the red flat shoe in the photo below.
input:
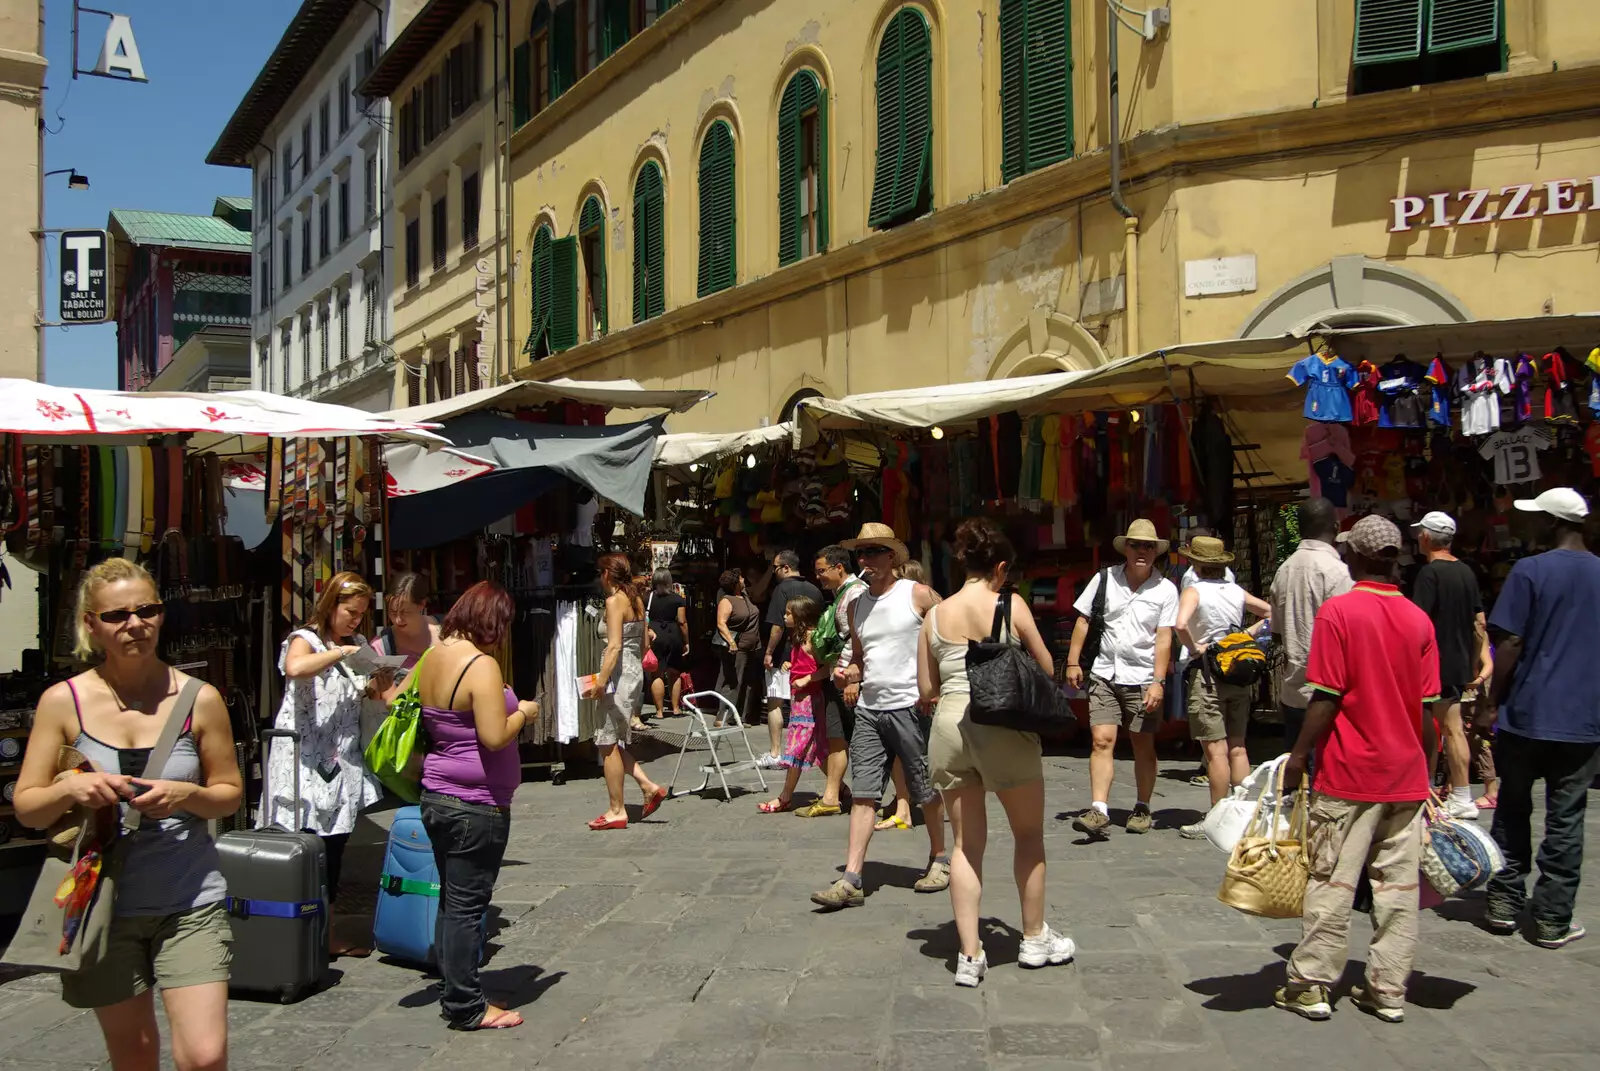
(608, 823)
(653, 804)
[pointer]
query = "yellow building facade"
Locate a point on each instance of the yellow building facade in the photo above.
(1283, 164)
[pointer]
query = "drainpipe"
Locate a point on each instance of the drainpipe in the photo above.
(1130, 221)
(502, 156)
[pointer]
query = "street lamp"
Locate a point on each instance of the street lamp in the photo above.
(75, 181)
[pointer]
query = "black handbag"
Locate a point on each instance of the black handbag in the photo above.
(1009, 690)
(1090, 652)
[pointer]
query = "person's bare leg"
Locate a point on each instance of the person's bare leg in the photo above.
(1101, 767)
(658, 692)
(635, 769)
(198, 1018)
(1217, 773)
(1144, 765)
(1456, 755)
(1025, 812)
(837, 762)
(969, 818)
(791, 779)
(862, 816)
(611, 762)
(902, 797)
(132, 1036)
(1238, 761)
(677, 696)
(933, 818)
(775, 726)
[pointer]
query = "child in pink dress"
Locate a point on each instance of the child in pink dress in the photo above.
(805, 743)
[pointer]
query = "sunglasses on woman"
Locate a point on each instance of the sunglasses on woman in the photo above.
(148, 612)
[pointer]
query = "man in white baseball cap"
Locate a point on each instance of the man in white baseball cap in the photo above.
(1446, 589)
(1546, 679)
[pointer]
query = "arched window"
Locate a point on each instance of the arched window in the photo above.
(802, 169)
(1035, 85)
(553, 289)
(649, 244)
(719, 267)
(902, 177)
(592, 247)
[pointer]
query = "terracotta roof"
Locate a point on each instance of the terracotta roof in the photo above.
(426, 30)
(309, 32)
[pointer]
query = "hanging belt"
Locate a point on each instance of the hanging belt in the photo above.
(133, 518)
(147, 500)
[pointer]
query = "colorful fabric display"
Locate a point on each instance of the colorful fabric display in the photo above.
(1050, 436)
(1327, 379)
(1439, 383)
(1401, 388)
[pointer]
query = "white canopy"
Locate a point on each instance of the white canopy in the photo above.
(233, 423)
(616, 393)
(684, 448)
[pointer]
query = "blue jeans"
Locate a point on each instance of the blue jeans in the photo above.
(1567, 770)
(469, 842)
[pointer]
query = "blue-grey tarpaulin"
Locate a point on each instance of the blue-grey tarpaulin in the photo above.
(612, 460)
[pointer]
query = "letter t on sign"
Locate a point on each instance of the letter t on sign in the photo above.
(80, 245)
(1406, 211)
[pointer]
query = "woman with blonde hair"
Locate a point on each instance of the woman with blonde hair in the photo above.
(322, 702)
(170, 930)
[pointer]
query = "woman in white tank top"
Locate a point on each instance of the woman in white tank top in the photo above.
(969, 760)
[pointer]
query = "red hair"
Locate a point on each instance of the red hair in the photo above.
(616, 568)
(482, 614)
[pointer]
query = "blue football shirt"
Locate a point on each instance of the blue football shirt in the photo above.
(1327, 384)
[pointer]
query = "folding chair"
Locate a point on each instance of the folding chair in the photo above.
(701, 727)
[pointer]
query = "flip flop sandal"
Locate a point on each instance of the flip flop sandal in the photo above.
(506, 1020)
(894, 821)
(653, 804)
(1486, 803)
(603, 822)
(775, 806)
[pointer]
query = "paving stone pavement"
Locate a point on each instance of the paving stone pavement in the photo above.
(687, 941)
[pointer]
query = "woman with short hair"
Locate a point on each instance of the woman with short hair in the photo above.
(668, 613)
(740, 678)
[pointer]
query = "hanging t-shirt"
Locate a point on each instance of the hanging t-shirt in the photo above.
(1439, 382)
(1364, 394)
(1514, 454)
(1558, 404)
(1327, 381)
(1401, 386)
(1335, 479)
(1522, 388)
(1480, 383)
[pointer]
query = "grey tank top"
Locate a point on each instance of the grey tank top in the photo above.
(171, 865)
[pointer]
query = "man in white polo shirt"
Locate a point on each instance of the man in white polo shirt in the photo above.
(1126, 677)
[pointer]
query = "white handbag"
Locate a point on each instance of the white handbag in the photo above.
(1225, 823)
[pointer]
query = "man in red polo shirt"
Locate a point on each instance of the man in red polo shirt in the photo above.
(1374, 666)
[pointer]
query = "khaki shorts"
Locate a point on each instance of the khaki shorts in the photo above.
(1218, 711)
(964, 754)
(1121, 704)
(155, 952)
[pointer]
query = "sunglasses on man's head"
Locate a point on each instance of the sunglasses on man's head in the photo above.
(148, 612)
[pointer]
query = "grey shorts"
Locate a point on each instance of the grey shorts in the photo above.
(1120, 704)
(841, 720)
(881, 736)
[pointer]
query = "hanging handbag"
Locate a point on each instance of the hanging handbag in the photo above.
(67, 925)
(1089, 653)
(1225, 823)
(394, 756)
(649, 662)
(1268, 869)
(1453, 859)
(1009, 690)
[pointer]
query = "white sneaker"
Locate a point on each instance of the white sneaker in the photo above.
(1197, 831)
(1464, 809)
(969, 971)
(1046, 948)
(768, 761)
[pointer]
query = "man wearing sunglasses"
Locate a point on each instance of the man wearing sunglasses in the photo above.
(1126, 680)
(879, 677)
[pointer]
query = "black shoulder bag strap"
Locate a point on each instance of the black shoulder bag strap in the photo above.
(1000, 631)
(1097, 612)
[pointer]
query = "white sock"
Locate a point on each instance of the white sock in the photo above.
(1461, 795)
(1097, 805)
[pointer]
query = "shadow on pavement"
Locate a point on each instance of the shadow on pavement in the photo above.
(1248, 992)
(514, 987)
(1001, 942)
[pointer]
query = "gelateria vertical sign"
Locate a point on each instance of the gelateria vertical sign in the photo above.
(483, 302)
(1522, 200)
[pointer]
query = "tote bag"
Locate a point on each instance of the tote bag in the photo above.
(394, 756)
(1268, 871)
(1009, 689)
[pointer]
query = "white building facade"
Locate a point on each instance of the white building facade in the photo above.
(322, 306)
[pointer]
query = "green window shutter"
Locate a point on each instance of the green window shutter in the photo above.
(718, 268)
(563, 48)
(913, 186)
(799, 96)
(593, 218)
(1458, 24)
(564, 294)
(1047, 74)
(649, 245)
(1013, 140)
(822, 169)
(539, 285)
(521, 101)
(890, 134)
(1388, 31)
(614, 28)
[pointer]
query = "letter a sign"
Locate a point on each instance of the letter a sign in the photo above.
(119, 53)
(85, 283)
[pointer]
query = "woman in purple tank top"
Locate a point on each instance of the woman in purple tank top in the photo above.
(471, 770)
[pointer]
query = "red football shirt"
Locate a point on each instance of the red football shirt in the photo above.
(1373, 648)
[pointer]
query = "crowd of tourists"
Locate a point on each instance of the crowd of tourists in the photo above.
(868, 682)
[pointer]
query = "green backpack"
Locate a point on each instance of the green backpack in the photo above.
(825, 638)
(395, 754)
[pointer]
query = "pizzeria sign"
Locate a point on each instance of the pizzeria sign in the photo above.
(1522, 200)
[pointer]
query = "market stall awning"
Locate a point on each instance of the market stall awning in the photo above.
(615, 394)
(236, 422)
(530, 459)
(684, 448)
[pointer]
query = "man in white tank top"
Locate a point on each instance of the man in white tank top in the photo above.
(880, 678)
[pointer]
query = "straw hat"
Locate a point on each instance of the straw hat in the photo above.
(873, 534)
(1206, 550)
(1143, 531)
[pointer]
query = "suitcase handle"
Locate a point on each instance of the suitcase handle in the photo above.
(294, 736)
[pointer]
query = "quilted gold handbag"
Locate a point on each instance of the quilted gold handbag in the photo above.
(1268, 869)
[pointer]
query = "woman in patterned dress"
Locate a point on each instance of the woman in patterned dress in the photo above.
(322, 702)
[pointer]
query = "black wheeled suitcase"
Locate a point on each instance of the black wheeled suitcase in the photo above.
(278, 904)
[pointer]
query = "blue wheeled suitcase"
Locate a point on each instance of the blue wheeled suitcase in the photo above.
(278, 904)
(408, 892)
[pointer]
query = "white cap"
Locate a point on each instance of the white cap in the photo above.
(1562, 503)
(1440, 523)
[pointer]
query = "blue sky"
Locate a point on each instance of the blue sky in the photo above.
(143, 146)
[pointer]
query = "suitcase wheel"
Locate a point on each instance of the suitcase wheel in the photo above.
(558, 778)
(287, 994)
